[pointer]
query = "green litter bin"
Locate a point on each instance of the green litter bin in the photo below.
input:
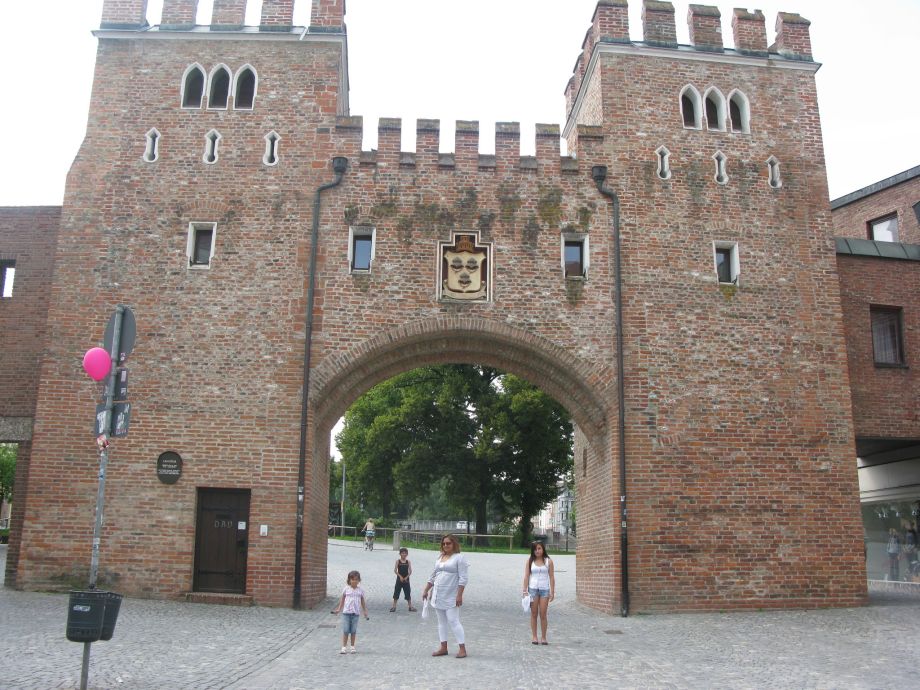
(110, 615)
(85, 614)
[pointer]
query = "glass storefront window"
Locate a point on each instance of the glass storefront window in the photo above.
(891, 540)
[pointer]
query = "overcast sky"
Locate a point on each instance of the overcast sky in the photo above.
(486, 60)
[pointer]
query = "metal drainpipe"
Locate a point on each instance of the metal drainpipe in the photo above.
(339, 165)
(599, 175)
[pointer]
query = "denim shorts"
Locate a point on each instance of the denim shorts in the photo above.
(349, 623)
(536, 592)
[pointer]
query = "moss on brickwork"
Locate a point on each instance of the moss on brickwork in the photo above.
(549, 207)
(510, 202)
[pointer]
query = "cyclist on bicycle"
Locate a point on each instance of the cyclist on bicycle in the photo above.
(369, 534)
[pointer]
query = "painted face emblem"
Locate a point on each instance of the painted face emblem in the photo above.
(464, 270)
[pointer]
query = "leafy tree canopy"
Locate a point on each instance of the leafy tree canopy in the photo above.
(8, 453)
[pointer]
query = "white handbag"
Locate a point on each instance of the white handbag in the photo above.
(425, 609)
(525, 603)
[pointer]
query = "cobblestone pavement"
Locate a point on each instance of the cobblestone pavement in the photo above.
(167, 645)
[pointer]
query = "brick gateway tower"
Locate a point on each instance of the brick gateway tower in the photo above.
(697, 169)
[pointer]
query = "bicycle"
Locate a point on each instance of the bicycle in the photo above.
(369, 540)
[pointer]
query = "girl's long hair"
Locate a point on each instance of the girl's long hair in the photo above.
(533, 554)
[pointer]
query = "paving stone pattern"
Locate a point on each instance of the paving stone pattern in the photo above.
(159, 644)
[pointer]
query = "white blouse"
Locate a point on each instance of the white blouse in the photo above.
(446, 578)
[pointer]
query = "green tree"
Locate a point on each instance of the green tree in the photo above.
(533, 435)
(8, 453)
(455, 440)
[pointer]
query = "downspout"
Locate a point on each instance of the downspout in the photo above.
(339, 165)
(599, 174)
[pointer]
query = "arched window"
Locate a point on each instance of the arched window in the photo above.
(690, 107)
(664, 165)
(715, 110)
(244, 96)
(152, 148)
(270, 157)
(192, 87)
(211, 140)
(773, 177)
(219, 90)
(739, 112)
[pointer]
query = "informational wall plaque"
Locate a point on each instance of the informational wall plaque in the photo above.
(169, 467)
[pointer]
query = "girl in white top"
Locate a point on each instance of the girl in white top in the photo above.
(540, 583)
(448, 579)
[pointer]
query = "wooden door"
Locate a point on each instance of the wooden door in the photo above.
(221, 539)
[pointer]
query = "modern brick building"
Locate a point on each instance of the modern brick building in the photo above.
(672, 282)
(878, 260)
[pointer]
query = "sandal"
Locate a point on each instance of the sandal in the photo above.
(413, 609)
(393, 610)
(534, 642)
(544, 642)
(440, 652)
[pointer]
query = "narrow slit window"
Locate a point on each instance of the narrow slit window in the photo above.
(7, 277)
(152, 148)
(773, 173)
(715, 110)
(690, 107)
(884, 229)
(193, 87)
(220, 89)
(739, 113)
(721, 175)
(200, 248)
(211, 141)
(361, 249)
(245, 95)
(887, 336)
(271, 149)
(664, 164)
(574, 256)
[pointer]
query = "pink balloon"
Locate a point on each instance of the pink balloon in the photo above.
(97, 363)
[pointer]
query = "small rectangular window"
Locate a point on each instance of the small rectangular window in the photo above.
(726, 260)
(887, 343)
(575, 255)
(200, 249)
(884, 229)
(7, 276)
(574, 260)
(361, 249)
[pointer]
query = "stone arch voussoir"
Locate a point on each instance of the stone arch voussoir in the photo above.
(582, 387)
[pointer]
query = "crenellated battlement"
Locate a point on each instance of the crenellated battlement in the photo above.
(227, 15)
(610, 25)
(465, 156)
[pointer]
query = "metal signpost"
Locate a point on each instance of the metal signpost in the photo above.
(111, 420)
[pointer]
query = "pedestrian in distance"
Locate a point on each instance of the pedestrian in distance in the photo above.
(351, 606)
(448, 580)
(894, 554)
(369, 534)
(540, 584)
(403, 570)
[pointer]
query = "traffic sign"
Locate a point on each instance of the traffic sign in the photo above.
(121, 417)
(128, 334)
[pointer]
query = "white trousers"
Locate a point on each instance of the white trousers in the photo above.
(450, 618)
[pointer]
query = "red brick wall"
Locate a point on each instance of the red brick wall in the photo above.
(886, 400)
(852, 220)
(28, 236)
(739, 430)
(216, 373)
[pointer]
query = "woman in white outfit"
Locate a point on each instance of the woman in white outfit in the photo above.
(448, 579)
(540, 583)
